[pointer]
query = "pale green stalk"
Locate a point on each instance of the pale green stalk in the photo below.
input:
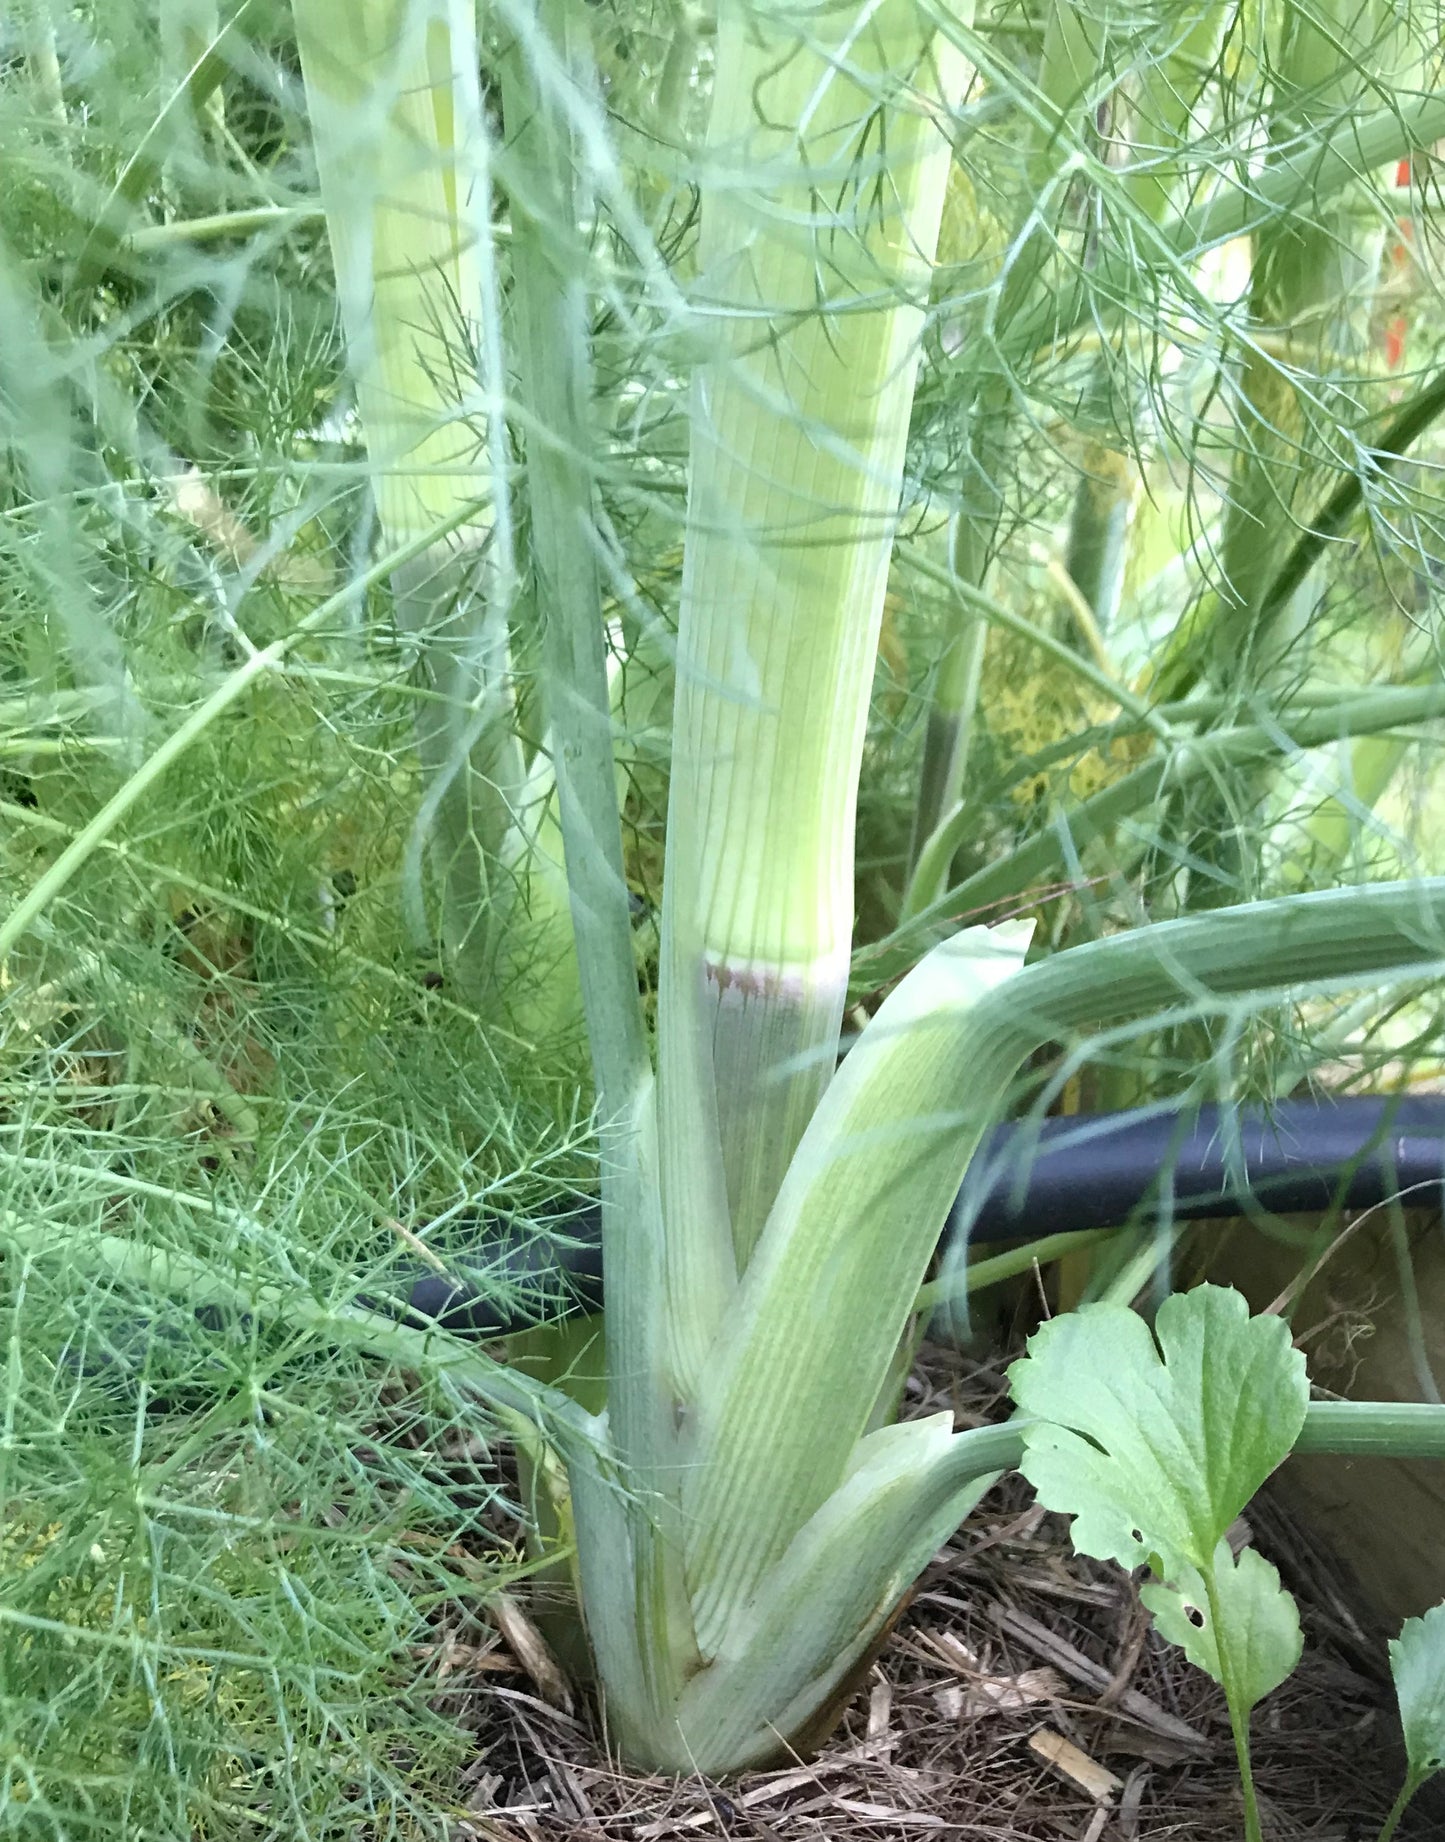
(800, 416)
(801, 1527)
(812, 292)
(402, 150)
(550, 318)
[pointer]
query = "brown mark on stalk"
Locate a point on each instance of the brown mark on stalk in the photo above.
(751, 978)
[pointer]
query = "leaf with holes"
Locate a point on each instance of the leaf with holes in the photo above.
(1155, 1446)
(1248, 1639)
(1417, 1662)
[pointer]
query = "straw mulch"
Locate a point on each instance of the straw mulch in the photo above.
(1023, 1698)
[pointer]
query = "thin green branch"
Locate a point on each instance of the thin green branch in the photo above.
(992, 1271)
(1011, 878)
(1379, 458)
(996, 614)
(429, 1351)
(1324, 164)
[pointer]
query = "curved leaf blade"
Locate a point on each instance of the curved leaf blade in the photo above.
(1417, 1663)
(1155, 1446)
(1249, 1640)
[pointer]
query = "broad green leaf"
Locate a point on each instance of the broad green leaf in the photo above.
(1155, 1447)
(1417, 1662)
(1257, 1641)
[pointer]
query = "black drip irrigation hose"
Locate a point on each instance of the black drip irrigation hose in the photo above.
(1045, 1177)
(1148, 1167)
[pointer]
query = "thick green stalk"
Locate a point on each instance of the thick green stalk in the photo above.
(800, 415)
(1314, 278)
(814, 277)
(550, 339)
(550, 332)
(801, 1528)
(402, 150)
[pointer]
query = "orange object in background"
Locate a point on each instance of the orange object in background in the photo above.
(1396, 326)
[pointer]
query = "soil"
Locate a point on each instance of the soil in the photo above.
(1024, 1697)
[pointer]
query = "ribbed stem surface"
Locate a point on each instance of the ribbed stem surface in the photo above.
(820, 219)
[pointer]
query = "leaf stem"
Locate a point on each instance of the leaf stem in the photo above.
(1408, 1789)
(1008, 879)
(966, 1280)
(1238, 1715)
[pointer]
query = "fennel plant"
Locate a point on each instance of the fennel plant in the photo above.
(808, 319)
(744, 1527)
